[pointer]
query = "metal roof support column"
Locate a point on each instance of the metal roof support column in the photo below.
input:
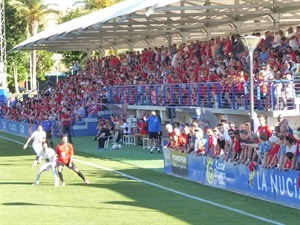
(184, 36)
(89, 52)
(130, 46)
(208, 33)
(102, 52)
(275, 17)
(237, 25)
(168, 36)
(115, 50)
(148, 42)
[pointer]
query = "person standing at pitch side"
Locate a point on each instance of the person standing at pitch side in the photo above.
(66, 118)
(153, 130)
(47, 125)
(65, 153)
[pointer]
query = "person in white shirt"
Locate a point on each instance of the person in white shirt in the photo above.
(277, 38)
(50, 163)
(224, 137)
(291, 38)
(124, 129)
(38, 137)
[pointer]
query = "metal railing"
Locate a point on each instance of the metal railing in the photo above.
(268, 95)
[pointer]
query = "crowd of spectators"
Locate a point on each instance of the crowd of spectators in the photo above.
(270, 147)
(211, 73)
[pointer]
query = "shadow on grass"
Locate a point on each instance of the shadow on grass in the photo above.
(65, 206)
(16, 183)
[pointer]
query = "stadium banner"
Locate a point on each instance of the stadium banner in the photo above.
(196, 169)
(179, 163)
(17, 128)
(167, 161)
(268, 184)
(215, 172)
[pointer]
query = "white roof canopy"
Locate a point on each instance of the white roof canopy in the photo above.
(140, 23)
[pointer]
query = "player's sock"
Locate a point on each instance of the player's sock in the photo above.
(37, 179)
(61, 176)
(34, 163)
(81, 175)
(55, 175)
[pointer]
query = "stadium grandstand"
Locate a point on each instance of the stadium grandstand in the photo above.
(200, 66)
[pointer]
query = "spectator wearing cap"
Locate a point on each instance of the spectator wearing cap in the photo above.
(291, 38)
(272, 158)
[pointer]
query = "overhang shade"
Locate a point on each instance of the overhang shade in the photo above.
(138, 23)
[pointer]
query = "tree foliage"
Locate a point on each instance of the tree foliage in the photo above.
(97, 4)
(32, 13)
(15, 27)
(71, 56)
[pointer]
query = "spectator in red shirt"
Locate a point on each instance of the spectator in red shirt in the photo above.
(263, 128)
(273, 158)
(66, 118)
(142, 127)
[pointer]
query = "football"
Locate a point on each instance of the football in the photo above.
(114, 146)
(119, 146)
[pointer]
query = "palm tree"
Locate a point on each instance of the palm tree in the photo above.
(34, 12)
(97, 4)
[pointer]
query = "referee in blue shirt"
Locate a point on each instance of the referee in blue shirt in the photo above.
(154, 129)
(47, 125)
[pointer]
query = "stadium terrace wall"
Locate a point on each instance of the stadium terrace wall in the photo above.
(17, 128)
(268, 184)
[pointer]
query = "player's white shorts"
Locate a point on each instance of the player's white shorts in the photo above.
(37, 148)
(47, 166)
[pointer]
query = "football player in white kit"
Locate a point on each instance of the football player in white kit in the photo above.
(38, 137)
(50, 163)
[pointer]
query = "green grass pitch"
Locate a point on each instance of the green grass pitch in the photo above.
(128, 186)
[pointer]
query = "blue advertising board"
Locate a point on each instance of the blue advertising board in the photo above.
(17, 128)
(269, 184)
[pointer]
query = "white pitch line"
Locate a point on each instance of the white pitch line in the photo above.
(169, 189)
(180, 193)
